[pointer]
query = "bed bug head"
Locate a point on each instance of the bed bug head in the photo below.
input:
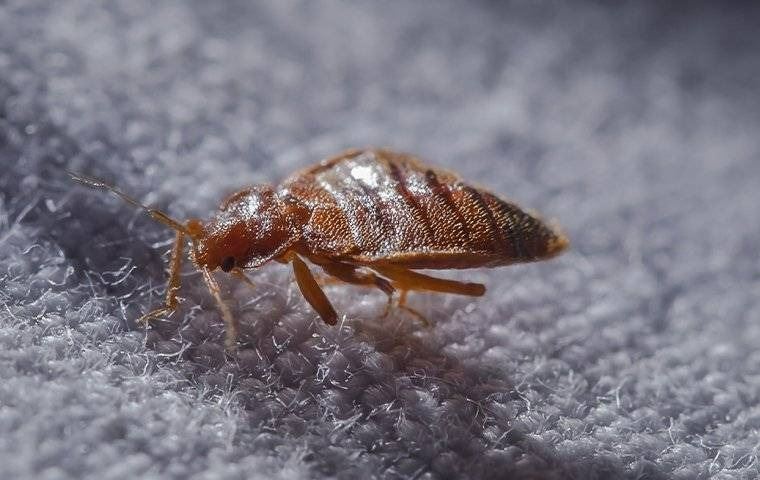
(248, 230)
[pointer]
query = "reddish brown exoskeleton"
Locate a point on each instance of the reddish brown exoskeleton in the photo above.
(366, 217)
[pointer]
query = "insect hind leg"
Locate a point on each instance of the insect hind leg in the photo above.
(405, 280)
(403, 306)
(350, 274)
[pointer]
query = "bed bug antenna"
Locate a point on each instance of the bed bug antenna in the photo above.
(175, 264)
(156, 214)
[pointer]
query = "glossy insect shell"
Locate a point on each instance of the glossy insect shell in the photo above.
(249, 229)
(375, 207)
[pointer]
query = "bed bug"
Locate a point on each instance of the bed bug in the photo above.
(366, 217)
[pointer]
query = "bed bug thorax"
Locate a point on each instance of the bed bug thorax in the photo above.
(366, 217)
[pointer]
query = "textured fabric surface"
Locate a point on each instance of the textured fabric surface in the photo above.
(634, 355)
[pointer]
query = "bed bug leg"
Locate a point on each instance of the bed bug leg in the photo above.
(402, 305)
(326, 280)
(311, 290)
(240, 275)
(405, 279)
(231, 325)
(351, 274)
(170, 304)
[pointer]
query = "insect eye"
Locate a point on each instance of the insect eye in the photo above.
(228, 264)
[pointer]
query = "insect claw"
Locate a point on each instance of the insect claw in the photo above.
(409, 310)
(401, 305)
(230, 345)
(146, 319)
(416, 314)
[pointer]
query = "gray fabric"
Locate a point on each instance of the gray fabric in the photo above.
(634, 355)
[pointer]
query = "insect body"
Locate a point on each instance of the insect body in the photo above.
(366, 217)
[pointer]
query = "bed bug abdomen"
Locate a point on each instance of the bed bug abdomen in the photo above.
(378, 206)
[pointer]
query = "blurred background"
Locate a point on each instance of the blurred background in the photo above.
(634, 355)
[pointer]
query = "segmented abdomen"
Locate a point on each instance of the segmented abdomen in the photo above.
(374, 206)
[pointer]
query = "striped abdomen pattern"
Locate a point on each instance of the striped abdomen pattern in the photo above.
(376, 205)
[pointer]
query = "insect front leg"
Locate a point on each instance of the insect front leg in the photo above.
(240, 274)
(231, 325)
(170, 303)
